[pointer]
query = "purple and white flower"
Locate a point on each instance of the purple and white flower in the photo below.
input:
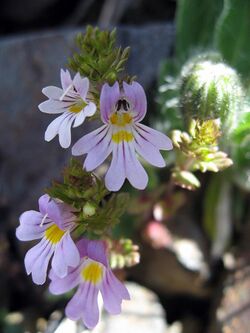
(52, 224)
(72, 100)
(122, 110)
(92, 275)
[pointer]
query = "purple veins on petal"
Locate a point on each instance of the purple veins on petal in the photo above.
(115, 175)
(136, 95)
(109, 96)
(52, 225)
(73, 101)
(89, 141)
(92, 275)
(122, 109)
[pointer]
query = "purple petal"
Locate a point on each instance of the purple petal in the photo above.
(82, 246)
(136, 95)
(65, 79)
(81, 85)
(109, 97)
(115, 176)
(60, 286)
(70, 251)
(99, 153)
(43, 203)
(65, 131)
(75, 306)
(90, 315)
(52, 92)
(60, 214)
(30, 226)
(158, 139)
(135, 173)
(97, 251)
(37, 259)
(66, 254)
(147, 150)
(89, 141)
(53, 128)
(112, 302)
(58, 262)
(116, 285)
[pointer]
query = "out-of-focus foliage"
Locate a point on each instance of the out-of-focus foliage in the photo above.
(195, 21)
(232, 35)
(199, 84)
(208, 82)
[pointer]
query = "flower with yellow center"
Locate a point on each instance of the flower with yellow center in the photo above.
(73, 101)
(92, 275)
(122, 110)
(52, 224)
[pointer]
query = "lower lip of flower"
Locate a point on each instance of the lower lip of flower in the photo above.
(121, 136)
(54, 234)
(92, 272)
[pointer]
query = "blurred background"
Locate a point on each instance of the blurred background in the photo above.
(178, 287)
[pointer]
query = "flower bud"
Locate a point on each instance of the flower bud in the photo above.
(185, 179)
(89, 209)
(211, 90)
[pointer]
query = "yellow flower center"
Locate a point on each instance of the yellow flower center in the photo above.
(78, 106)
(54, 234)
(120, 119)
(122, 136)
(92, 272)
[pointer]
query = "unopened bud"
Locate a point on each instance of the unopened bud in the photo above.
(89, 209)
(211, 89)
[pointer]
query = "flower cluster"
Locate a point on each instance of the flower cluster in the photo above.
(122, 109)
(84, 263)
(83, 204)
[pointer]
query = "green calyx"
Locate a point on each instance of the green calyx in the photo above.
(198, 150)
(98, 58)
(95, 208)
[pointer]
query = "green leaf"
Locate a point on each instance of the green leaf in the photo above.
(232, 34)
(195, 22)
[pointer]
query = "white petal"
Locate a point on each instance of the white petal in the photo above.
(51, 106)
(79, 119)
(81, 85)
(99, 153)
(135, 173)
(148, 151)
(115, 176)
(52, 92)
(158, 139)
(65, 131)
(89, 141)
(53, 128)
(90, 109)
(65, 79)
